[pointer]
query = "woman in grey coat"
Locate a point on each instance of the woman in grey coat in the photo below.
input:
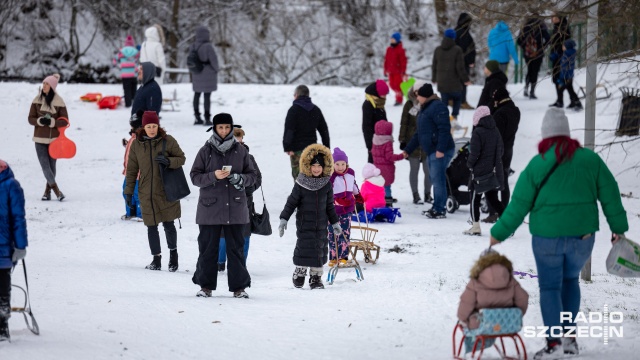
(222, 206)
(205, 81)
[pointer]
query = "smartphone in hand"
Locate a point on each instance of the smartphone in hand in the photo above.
(226, 168)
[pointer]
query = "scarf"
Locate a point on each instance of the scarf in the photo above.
(312, 183)
(376, 102)
(381, 139)
(222, 145)
(304, 102)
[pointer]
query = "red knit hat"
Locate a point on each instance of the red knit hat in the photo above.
(150, 117)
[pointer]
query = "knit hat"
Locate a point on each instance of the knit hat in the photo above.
(135, 121)
(450, 33)
(397, 36)
(382, 88)
(493, 66)
(318, 159)
(52, 80)
(339, 155)
(369, 171)
(150, 117)
(555, 123)
(500, 94)
(480, 112)
(129, 41)
(426, 90)
(222, 118)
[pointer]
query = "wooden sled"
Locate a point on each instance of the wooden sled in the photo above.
(365, 244)
(171, 104)
(606, 95)
(350, 264)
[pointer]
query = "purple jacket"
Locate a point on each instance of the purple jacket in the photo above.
(344, 189)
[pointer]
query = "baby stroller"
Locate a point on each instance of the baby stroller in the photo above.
(458, 174)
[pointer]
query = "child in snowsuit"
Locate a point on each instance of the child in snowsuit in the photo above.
(372, 191)
(384, 158)
(13, 240)
(344, 189)
(132, 213)
(565, 80)
(127, 59)
(312, 196)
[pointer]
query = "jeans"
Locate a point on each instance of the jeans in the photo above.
(559, 261)
(222, 253)
(387, 191)
(134, 200)
(456, 96)
(438, 172)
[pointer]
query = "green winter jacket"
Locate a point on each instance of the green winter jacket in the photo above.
(567, 204)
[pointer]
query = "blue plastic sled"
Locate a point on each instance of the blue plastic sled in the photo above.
(378, 215)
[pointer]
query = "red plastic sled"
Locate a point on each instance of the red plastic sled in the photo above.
(109, 102)
(91, 97)
(62, 147)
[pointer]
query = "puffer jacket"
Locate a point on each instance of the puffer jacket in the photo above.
(492, 286)
(373, 193)
(153, 201)
(344, 189)
(448, 68)
(485, 150)
(207, 80)
(395, 60)
(13, 226)
(501, 45)
(43, 134)
(434, 128)
(382, 152)
(152, 50)
(568, 61)
(313, 199)
(127, 59)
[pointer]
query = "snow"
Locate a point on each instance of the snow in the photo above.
(93, 298)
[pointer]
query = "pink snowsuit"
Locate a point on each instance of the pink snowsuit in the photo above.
(382, 151)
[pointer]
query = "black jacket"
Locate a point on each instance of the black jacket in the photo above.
(561, 33)
(537, 29)
(465, 40)
(448, 68)
(485, 150)
(370, 116)
(507, 118)
(491, 84)
(315, 211)
(149, 95)
(301, 124)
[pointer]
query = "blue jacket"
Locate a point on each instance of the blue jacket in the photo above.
(501, 44)
(149, 96)
(13, 226)
(434, 129)
(568, 61)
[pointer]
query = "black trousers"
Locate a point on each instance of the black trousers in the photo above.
(207, 104)
(5, 293)
(533, 68)
(505, 194)
(568, 85)
(492, 199)
(206, 274)
(154, 237)
(130, 86)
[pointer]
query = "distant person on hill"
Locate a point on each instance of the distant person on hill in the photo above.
(127, 61)
(152, 50)
(149, 95)
(373, 111)
(206, 81)
(448, 71)
(395, 65)
(468, 46)
(501, 46)
(496, 79)
(533, 39)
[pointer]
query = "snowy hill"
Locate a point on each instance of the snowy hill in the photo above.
(93, 298)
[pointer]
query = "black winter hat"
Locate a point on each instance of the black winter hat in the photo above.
(425, 90)
(318, 159)
(222, 118)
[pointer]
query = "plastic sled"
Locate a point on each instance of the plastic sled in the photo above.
(406, 85)
(378, 215)
(62, 147)
(91, 97)
(109, 102)
(350, 264)
(495, 324)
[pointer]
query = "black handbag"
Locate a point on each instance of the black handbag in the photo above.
(174, 182)
(485, 183)
(158, 71)
(260, 224)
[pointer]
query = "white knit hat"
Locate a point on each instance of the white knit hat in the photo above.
(555, 123)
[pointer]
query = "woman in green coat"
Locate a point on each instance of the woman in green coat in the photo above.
(145, 157)
(560, 188)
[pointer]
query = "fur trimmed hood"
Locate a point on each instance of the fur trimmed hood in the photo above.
(493, 270)
(309, 153)
(490, 259)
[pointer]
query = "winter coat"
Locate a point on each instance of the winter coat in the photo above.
(567, 204)
(568, 61)
(153, 201)
(149, 95)
(492, 83)
(46, 134)
(126, 154)
(371, 114)
(13, 226)
(220, 203)
(373, 193)
(303, 120)
(344, 190)
(152, 50)
(448, 68)
(536, 30)
(434, 128)
(313, 199)
(207, 80)
(486, 149)
(408, 127)
(395, 60)
(491, 286)
(507, 118)
(127, 59)
(465, 40)
(382, 152)
(561, 33)
(501, 44)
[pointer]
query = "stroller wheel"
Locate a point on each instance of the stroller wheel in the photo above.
(452, 204)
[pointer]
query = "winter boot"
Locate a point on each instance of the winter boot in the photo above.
(570, 346)
(155, 264)
(203, 292)
(47, 193)
(299, 274)
(475, 229)
(315, 282)
(432, 214)
(557, 104)
(57, 191)
(173, 260)
(198, 119)
(526, 89)
(532, 93)
(240, 294)
(491, 219)
(553, 350)
(428, 198)
(575, 105)
(221, 267)
(465, 106)
(388, 201)
(416, 199)
(207, 120)
(5, 314)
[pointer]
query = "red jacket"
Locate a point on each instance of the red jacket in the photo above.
(395, 61)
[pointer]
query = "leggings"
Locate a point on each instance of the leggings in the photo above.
(207, 103)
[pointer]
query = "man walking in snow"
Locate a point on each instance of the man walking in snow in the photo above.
(448, 71)
(149, 95)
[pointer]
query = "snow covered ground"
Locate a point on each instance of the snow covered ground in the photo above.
(93, 298)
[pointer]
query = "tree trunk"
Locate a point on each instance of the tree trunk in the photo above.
(173, 39)
(441, 15)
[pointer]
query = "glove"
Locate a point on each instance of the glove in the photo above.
(129, 200)
(282, 227)
(236, 179)
(45, 121)
(161, 159)
(18, 254)
(403, 145)
(337, 230)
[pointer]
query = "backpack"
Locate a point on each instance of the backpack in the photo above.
(531, 47)
(194, 63)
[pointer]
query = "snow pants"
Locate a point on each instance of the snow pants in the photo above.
(129, 85)
(342, 247)
(134, 200)
(394, 83)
